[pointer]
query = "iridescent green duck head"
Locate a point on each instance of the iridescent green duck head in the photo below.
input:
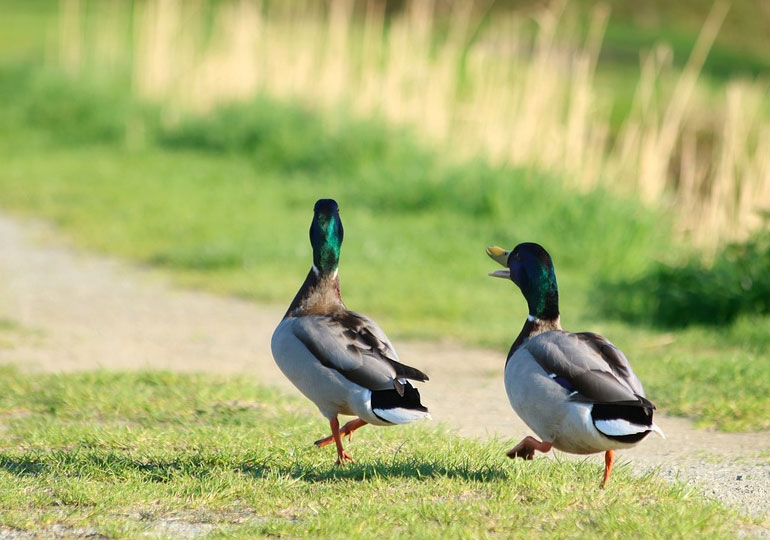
(326, 236)
(530, 267)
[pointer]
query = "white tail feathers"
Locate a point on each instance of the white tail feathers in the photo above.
(618, 427)
(401, 416)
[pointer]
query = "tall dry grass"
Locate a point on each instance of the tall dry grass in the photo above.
(517, 90)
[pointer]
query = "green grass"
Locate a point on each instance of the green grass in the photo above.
(126, 454)
(224, 203)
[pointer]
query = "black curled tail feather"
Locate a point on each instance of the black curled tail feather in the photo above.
(408, 372)
(638, 412)
(392, 399)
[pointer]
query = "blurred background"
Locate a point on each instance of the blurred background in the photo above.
(631, 140)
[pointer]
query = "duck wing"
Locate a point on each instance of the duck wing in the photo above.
(356, 347)
(594, 371)
(588, 364)
(614, 358)
(374, 339)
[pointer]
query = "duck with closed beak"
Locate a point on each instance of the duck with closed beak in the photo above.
(339, 359)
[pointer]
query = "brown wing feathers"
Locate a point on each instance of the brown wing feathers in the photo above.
(361, 334)
(354, 346)
(592, 365)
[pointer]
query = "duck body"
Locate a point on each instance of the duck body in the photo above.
(331, 392)
(576, 391)
(339, 359)
(546, 396)
(328, 367)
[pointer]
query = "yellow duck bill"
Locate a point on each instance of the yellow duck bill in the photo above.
(501, 257)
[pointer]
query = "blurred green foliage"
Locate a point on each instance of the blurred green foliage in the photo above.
(666, 295)
(305, 156)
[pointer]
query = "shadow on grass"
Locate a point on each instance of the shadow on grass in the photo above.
(84, 464)
(420, 470)
(23, 466)
(116, 465)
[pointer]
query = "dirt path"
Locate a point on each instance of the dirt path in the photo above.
(90, 312)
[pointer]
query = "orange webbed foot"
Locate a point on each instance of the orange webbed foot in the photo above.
(526, 448)
(325, 441)
(344, 457)
(347, 429)
(351, 426)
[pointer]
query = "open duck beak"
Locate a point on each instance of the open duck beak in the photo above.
(501, 257)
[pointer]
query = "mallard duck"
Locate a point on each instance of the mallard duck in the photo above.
(577, 392)
(339, 359)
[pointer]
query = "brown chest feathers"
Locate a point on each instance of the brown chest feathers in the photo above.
(319, 295)
(534, 327)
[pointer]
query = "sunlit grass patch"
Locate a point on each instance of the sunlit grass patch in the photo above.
(161, 454)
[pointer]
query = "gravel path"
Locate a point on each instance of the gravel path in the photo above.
(88, 312)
